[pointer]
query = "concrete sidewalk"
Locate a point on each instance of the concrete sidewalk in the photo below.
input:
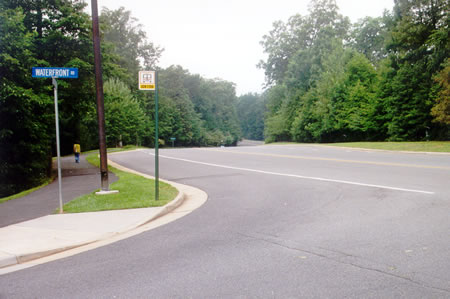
(48, 235)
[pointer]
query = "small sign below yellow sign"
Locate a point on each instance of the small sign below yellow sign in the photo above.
(147, 86)
(147, 80)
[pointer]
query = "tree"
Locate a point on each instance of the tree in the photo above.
(355, 100)
(419, 45)
(39, 33)
(124, 118)
(315, 121)
(207, 107)
(250, 110)
(369, 36)
(129, 42)
(275, 125)
(182, 120)
(223, 95)
(25, 116)
(441, 109)
(300, 33)
(296, 52)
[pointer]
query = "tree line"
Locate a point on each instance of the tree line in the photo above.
(193, 110)
(383, 78)
(327, 80)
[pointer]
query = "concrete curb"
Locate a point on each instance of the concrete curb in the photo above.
(8, 259)
(37, 255)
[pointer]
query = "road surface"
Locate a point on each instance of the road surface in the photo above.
(281, 222)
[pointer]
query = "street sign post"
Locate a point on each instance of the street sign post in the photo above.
(148, 80)
(56, 73)
(173, 140)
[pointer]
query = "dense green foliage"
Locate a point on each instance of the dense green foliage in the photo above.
(441, 110)
(251, 109)
(194, 110)
(39, 33)
(382, 78)
(128, 43)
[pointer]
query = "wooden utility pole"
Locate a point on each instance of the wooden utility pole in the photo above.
(100, 102)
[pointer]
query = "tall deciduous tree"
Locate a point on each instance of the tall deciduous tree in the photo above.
(369, 37)
(418, 47)
(300, 49)
(330, 93)
(250, 110)
(198, 111)
(124, 117)
(181, 120)
(39, 33)
(129, 42)
(441, 109)
(25, 115)
(323, 23)
(355, 100)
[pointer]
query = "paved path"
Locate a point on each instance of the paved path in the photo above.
(77, 179)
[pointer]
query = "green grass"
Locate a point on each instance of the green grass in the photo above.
(283, 143)
(134, 192)
(413, 146)
(419, 146)
(115, 149)
(26, 192)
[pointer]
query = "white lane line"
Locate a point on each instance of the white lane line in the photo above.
(296, 176)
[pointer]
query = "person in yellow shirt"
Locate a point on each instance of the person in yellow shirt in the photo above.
(77, 151)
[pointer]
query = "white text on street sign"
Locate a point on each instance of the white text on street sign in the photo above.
(55, 72)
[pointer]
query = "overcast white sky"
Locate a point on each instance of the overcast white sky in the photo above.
(220, 39)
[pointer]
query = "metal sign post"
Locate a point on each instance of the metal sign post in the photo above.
(55, 87)
(148, 80)
(156, 140)
(54, 73)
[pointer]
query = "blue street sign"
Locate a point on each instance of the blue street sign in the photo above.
(55, 72)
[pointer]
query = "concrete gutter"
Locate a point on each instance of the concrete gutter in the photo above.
(52, 234)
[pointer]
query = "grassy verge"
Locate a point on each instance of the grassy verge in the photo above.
(26, 192)
(115, 149)
(413, 146)
(425, 146)
(134, 192)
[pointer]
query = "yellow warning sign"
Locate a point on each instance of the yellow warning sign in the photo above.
(147, 86)
(147, 80)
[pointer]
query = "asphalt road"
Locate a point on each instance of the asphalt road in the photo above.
(280, 222)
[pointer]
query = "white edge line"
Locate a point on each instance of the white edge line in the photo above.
(297, 176)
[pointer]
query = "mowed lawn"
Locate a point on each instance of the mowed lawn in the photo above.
(134, 192)
(419, 146)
